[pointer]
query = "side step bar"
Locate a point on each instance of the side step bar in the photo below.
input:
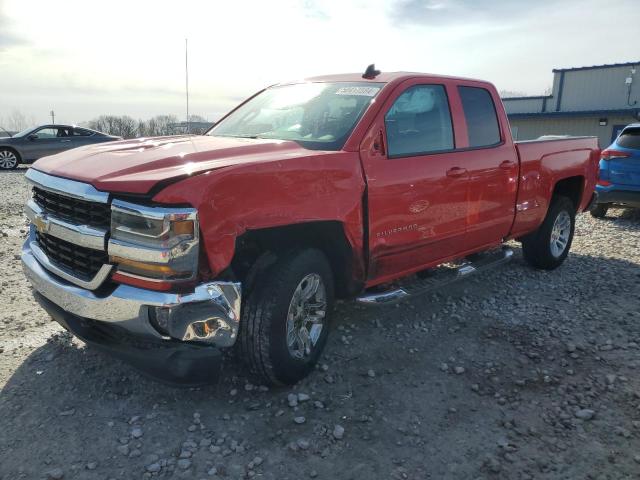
(441, 276)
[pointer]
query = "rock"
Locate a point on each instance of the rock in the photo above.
(123, 449)
(299, 420)
(136, 432)
(55, 474)
(303, 444)
(585, 414)
(292, 399)
(459, 370)
(257, 461)
(184, 463)
(92, 465)
(67, 413)
(212, 471)
(303, 397)
(338, 432)
(371, 373)
(153, 468)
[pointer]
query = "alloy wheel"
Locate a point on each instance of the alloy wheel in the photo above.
(8, 160)
(306, 316)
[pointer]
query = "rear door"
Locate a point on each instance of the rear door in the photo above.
(82, 137)
(492, 162)
(417, 188)
(625, 170)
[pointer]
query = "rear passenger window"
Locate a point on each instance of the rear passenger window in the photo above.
(629, 138)
(419, 122)
(480, 114)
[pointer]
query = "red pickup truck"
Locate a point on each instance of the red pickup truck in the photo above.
(167, 251)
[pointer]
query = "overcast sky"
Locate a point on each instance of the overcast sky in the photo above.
(84, 58)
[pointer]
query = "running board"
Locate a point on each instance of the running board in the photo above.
(443, 275)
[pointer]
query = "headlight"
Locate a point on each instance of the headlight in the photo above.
(154, 244)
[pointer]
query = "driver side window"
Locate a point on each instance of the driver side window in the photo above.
(419, 122)
(44, 133)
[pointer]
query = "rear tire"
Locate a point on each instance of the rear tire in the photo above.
(276, 312)
(9, 159)
(549, 246)
(600, 210)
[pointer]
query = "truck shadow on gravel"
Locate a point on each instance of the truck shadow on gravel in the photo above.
(480, 380)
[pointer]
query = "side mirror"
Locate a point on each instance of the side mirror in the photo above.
(32, 137)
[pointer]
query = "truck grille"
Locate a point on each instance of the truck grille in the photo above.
(79, 212)
(83, 262)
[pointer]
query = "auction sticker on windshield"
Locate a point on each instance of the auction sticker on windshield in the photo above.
(360, 91)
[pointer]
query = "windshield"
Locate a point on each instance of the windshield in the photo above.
(24, 132)
(318, 116)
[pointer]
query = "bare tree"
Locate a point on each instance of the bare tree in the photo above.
(122, 126)
(511, 94)
(17, 121)
(157, 126)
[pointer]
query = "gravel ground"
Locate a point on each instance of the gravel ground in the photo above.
(516, 374)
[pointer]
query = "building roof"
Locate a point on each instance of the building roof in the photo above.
(597, 67)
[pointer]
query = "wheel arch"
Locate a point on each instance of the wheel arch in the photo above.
(570, 187)
(260, 247)
(13, 149)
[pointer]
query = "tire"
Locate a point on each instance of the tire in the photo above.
(539, 248)
(600, 210)
(9, 159)
(268, 344)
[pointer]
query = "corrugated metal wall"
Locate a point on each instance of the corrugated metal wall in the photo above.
(598, 89)
(530, 128)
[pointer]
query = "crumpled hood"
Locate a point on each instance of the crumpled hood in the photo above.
(136, 166)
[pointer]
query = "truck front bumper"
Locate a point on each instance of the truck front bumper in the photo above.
(174, 337)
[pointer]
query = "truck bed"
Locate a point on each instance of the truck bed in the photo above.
(543, 163)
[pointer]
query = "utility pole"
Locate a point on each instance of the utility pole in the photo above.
(53, 117)
(186, 74)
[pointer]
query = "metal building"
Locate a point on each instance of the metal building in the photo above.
(598, 100)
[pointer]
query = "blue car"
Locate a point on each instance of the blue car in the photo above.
(619, 182)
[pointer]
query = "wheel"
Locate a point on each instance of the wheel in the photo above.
(8, 159)
(600, 210)
(285, 318)
(548, 246)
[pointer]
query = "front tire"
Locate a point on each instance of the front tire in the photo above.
(9, 159)
(285, 319)
(549, 246)
(600, 210)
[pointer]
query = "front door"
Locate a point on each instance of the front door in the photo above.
(47, 141)
(417, 189)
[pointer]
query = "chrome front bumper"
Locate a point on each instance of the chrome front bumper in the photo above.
(210, 315)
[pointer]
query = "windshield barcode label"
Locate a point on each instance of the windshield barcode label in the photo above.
(360, 91)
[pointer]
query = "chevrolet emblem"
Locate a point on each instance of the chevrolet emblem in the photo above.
(41, 224)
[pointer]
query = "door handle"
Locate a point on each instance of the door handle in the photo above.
(65, 141)
(456, 172)
(507, 165)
